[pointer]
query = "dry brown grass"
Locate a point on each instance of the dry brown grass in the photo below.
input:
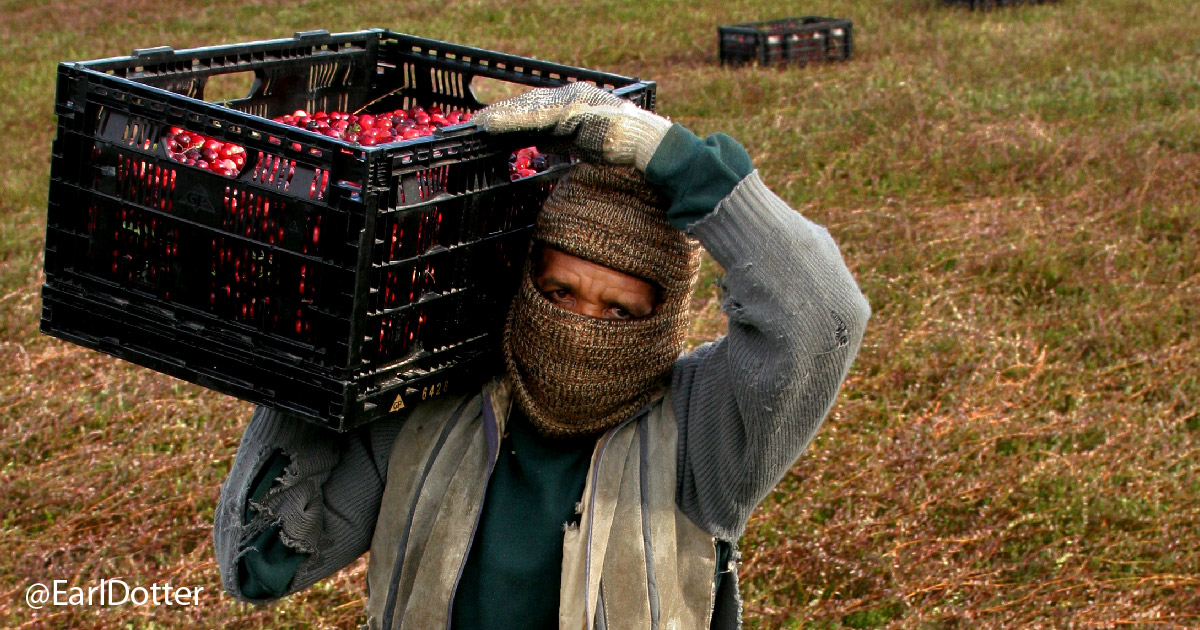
(1016, 191)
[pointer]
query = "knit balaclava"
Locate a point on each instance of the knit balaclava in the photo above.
(575, 375)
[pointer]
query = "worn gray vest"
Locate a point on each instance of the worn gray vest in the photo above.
(635, 561)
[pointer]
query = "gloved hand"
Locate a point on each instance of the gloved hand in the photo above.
(606, 127)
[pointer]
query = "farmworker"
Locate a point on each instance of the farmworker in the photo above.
(604, 479)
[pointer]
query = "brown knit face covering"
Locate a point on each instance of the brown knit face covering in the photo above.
(576, 375)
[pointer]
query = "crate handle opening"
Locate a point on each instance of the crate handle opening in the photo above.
(488, 90)
(230, 86)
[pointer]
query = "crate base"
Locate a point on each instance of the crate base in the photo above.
(143, 339)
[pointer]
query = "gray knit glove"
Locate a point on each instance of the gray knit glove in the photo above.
(606, 127)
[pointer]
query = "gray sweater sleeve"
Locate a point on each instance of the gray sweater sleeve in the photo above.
(749, 403)
(325, 503)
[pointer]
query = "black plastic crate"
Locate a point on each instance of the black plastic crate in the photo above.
(801, 40)
(336, 281)
(991, 4)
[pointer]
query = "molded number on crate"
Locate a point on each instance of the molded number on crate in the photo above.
(429, 391)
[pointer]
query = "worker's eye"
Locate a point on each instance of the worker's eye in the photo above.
(559, 295)
(617, 312)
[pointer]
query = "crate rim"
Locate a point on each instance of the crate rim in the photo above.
(751, 27)
(158, 54)
(622, 84)
(164, 53)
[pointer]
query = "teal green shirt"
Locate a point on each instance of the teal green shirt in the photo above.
(513, 572)
(696, 173)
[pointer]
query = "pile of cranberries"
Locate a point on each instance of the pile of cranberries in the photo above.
(201, 151)
(526, 162)
(227, 158)
(372, 129)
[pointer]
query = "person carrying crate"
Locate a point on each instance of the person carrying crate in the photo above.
(604, 479)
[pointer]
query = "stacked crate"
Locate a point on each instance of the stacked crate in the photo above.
(336, 281)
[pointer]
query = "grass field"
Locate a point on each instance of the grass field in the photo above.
(1017, 192)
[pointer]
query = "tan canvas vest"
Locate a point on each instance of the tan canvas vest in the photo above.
(635, 561)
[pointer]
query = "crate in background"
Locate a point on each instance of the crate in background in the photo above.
(334, 281)
(801, 40)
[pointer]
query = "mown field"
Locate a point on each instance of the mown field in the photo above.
(1017, 192)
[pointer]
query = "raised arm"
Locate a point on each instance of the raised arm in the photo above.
(300, 503)
(749, 403)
